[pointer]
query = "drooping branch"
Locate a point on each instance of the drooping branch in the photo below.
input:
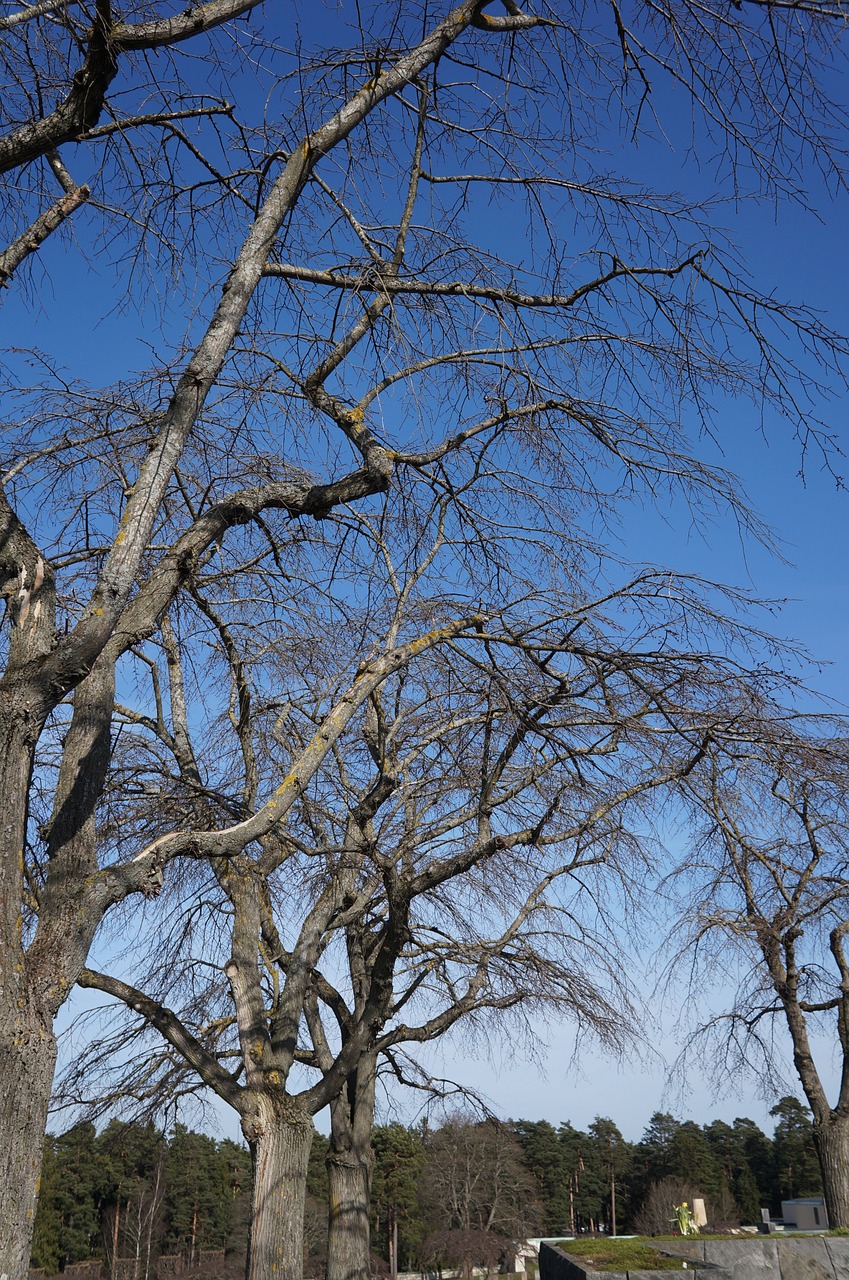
(33, 238)
(116, 882)
(169, 1026)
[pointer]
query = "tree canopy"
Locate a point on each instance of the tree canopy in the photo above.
(410, 350)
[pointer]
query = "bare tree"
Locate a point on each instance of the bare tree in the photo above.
(59, 644)
(474, 1181)
(351, 335)
(770, 901)
(656, 1214)
(433, 869)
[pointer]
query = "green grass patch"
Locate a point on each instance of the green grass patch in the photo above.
(612, 1254)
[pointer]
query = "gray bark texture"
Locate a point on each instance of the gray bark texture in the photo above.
(831, 1139)
(350, 1161)
(27, 1061)
(348, 1238)
(280, 1136)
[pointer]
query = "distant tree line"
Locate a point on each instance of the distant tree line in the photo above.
(130, 1192)
(456, 1195)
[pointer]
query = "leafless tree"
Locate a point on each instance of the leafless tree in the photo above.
(76, 610)
(432, 871)
(350, 335)
(770, 902)
(466, 1248)
(85, 58)
(656, 1215)
(142, 1218)
(474, 1180)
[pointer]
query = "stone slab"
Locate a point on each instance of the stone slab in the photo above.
(704, 1272)
(838, 1252)
(555, 1264)
(805, 1260)
(754, 1259)
(691, 1249)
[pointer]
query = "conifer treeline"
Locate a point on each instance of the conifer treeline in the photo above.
(132, 1192)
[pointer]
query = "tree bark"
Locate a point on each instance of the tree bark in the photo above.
(831, 1139)
(348, 1237)
(350, 1160)
(279, 1132)
(27, 1063)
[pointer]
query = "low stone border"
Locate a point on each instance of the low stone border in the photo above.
(557, 1264)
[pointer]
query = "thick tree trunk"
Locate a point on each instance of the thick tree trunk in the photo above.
(348, 1238)
(280, 1136)
(27, 1063)
(831, 1140)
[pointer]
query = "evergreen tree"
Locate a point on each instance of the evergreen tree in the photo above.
(747, 1195)
(317, 1172)
(237, 1159)
(739, 1187)
(97, 1190)
(77, 1193)
(612, 1155)
(759, 1159)
(654, 1150)
(586, 1181)
(545, 1158)
(198, 1210)
(691, 1159)
(48, 1222)
(131, 1193)
(727, 1147)
(797, 1171)
(399, 1157)
(682, 1154)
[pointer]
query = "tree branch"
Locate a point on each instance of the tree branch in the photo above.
(171, 1029)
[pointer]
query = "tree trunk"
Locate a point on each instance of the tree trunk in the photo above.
(350, 1161)
(27, 1063)
(348, 1237)
(394, 1269)
(113, 1270)
(831, 1140)
(280, 1136)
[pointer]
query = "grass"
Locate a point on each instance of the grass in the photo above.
(613, 1254)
